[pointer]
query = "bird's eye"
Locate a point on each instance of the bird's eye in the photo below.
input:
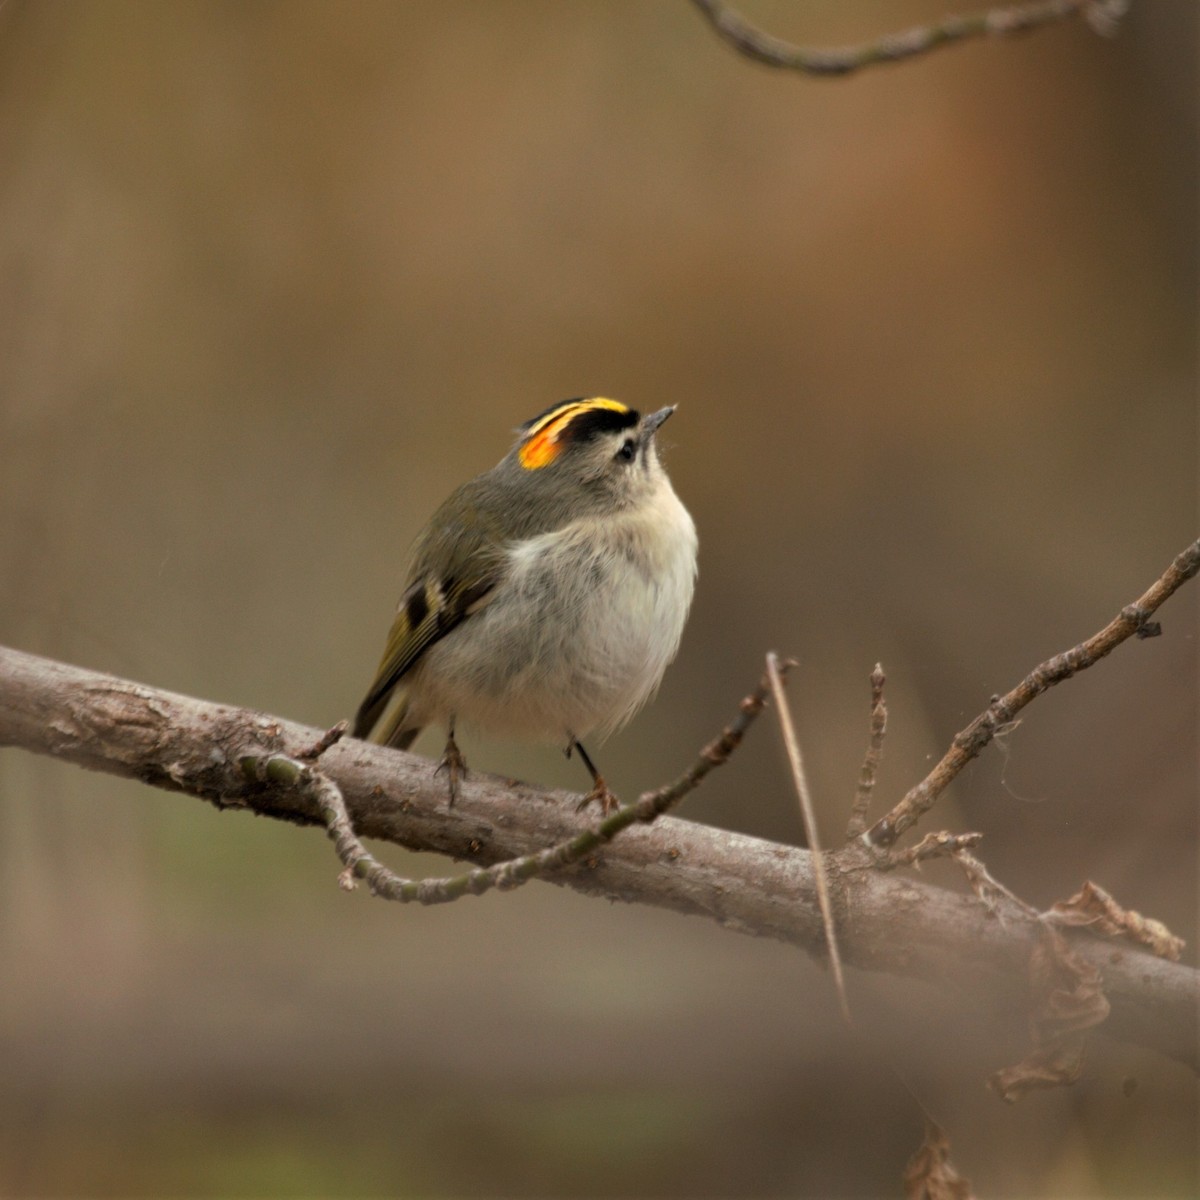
(628, 450)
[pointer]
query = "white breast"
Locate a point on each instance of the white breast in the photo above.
(579, 634)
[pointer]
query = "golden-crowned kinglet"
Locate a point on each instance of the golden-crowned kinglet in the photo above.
(546, 596)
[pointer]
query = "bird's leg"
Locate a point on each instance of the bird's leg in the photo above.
(452, 762)
(600, 792)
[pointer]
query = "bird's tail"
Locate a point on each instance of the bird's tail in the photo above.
(396, 730)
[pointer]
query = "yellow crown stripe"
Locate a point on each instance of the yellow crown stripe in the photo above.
(570, 408)
(541, 446)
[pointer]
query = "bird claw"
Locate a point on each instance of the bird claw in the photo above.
(601, 795)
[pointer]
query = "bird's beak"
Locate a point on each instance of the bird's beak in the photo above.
(651, 423)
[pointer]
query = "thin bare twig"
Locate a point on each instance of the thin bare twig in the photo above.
(870, 766)
(775, 669)
(328, 739)
(300, 773)
(1131, 620)
(932, 845)
(1102, 15)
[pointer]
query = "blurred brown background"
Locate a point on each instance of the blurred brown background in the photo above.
(275, 277)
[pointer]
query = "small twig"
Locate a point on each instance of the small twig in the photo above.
(301, 775)
(775, 669)
(870, 766)
(326, 741)
(1102, 15)
(1131, 620)
(932, 845)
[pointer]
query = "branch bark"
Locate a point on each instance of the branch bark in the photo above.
(887, 923)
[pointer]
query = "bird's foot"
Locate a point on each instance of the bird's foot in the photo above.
(601, 795)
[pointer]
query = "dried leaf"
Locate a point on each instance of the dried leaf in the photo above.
(1095, 909)
(1068, 1002)
(930, 1175)
(1047, 1067)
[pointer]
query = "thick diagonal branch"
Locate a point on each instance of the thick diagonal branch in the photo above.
(887, 923)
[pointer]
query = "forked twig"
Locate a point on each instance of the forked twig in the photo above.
(775, 670)
(1131, 620)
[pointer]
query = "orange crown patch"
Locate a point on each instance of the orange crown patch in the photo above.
(543, 436)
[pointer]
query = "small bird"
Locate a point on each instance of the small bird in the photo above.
(545, 597)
